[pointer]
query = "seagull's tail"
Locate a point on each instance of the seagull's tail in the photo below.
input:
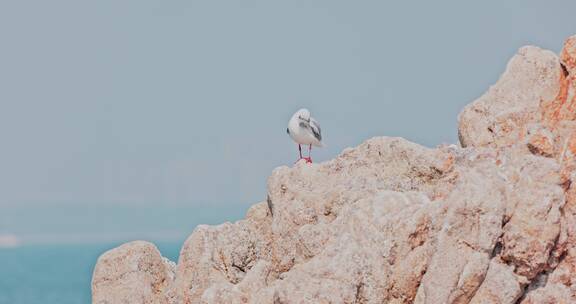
(320, 145)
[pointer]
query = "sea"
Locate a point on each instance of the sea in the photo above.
(55, 274)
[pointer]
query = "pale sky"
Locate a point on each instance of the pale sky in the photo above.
(182, 104)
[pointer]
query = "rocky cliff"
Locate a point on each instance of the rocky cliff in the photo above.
(490, 221)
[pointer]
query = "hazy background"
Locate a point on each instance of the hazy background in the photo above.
(141, 119)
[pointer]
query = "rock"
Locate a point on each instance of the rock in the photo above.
(133, 273)
(417, 226)
(500, 117)
(552, 294)
(222, 255)
(543, 104)
(390, 221)
(540, 141)
(500, 285)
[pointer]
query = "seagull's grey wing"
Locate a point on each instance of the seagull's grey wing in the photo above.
(315, 126)
(304, 124)
(312, 126)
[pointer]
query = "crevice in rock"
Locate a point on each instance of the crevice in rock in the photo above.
(479, 284)
(538, 282)
(497, 249)
(359, 299)
(422, 274)
(536, 150)
(564, 70)
(461, 139)
(554, 255)
(566, 185)
(270, 205)
(222, 267)
(562, 256)
(239, 267)
(522, 295)
(505, 220)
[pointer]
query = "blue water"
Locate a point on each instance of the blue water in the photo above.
(55, 274)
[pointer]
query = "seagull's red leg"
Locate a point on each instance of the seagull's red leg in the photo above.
(309, 158)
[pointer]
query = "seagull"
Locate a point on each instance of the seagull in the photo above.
(304, 130)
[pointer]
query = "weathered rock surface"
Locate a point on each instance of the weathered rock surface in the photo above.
(533, 107)
(132, 273)
(390, 221)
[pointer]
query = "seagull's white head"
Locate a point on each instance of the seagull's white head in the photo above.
(303, 114)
